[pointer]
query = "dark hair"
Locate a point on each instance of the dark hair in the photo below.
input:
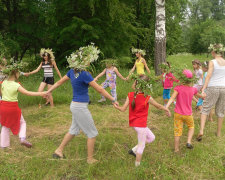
(49, 58)
(196, 61)
(13, 73)
(142, 77)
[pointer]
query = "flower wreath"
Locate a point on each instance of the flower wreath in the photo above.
(43, 52)
(140, 51)
(217, 48)
(14, 65)
(81, 58)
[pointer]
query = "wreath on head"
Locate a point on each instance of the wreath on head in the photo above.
(165, 67)
(140, 51)
(44, 52)
(217, 48)
(13, 65)
(113, 62)
(81, 58)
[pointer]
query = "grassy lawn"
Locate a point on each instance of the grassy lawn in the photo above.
(47, 126)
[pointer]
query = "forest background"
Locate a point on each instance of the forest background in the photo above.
(113, 25)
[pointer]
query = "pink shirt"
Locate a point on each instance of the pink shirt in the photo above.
(184, 99)
(168, 79)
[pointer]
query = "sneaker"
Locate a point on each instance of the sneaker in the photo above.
(189, 146)
(131, 152)
(101, 100)
(26, 143)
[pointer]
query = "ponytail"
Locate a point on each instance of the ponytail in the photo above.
(133, 102)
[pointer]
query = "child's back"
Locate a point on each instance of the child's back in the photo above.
(184, 99)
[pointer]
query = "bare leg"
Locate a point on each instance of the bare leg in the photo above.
(190, 135)
(219, 126)
(90, 150)
(211, 115)
(165, 101)
(138, 159)
(50, 99)
(41, 88)
(67, 138)
(176, 143)
(202, 124)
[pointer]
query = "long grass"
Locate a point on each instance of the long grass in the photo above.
(47, 126)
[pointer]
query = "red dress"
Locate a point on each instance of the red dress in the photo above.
(138, 115)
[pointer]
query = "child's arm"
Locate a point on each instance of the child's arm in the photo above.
(33, 72)
(118, 74)
(58, 83)
(124, 107)
(100, 75)
(134, 85)
(146, 66)
(132, 70)
(30, 93)
(159, 106)
(172, 98)
(56, 68)
(200, 95)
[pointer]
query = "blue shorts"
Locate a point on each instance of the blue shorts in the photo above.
(166, 93)
(200, 102)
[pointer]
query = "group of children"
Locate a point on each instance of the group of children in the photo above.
(137, 101)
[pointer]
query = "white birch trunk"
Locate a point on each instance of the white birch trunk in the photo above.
(160, 35)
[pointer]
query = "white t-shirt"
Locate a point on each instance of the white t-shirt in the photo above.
(218, 75)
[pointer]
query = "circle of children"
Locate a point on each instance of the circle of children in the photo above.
(188, 89)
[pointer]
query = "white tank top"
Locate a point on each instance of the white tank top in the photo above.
(218, 75)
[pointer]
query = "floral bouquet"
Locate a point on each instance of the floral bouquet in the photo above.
(82, 58)
(44, 52)
(140, 51)
(217, 48)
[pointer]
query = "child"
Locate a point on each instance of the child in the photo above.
(140, 63)
(138, 112)
(111, 71)
(47, 63)
(183, 110)
(198, 73)
(200, 100)
(10, 113)
(167, 81)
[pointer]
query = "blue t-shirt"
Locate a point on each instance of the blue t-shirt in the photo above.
(80, 85)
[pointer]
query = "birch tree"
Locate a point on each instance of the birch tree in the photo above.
(160, 35)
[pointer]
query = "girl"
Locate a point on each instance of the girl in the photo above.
(140, 63)
(111, 71)
(183, 110)
(48, 62)
(167, 81)
(198, 73)
(81, 117)
(10, 113)
(138, 111)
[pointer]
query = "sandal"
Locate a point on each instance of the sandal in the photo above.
(199, 138)
(56, 156)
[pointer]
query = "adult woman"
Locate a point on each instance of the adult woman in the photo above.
(48, 62)
(140, 63)
(80, 81)
(214, 89)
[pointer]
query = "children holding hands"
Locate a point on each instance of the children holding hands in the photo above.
(138, 104)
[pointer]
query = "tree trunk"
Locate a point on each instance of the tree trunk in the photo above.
(160, 35)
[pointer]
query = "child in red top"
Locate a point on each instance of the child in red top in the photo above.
(183, 110)
(167, 81)
(138, 111)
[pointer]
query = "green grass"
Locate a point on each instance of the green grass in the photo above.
(47, 126)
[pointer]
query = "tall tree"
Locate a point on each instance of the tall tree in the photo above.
(160, 35)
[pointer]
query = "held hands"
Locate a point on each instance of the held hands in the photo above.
(95, 79)
(168, 113)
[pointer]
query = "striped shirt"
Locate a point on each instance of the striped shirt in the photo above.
(48, 69)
